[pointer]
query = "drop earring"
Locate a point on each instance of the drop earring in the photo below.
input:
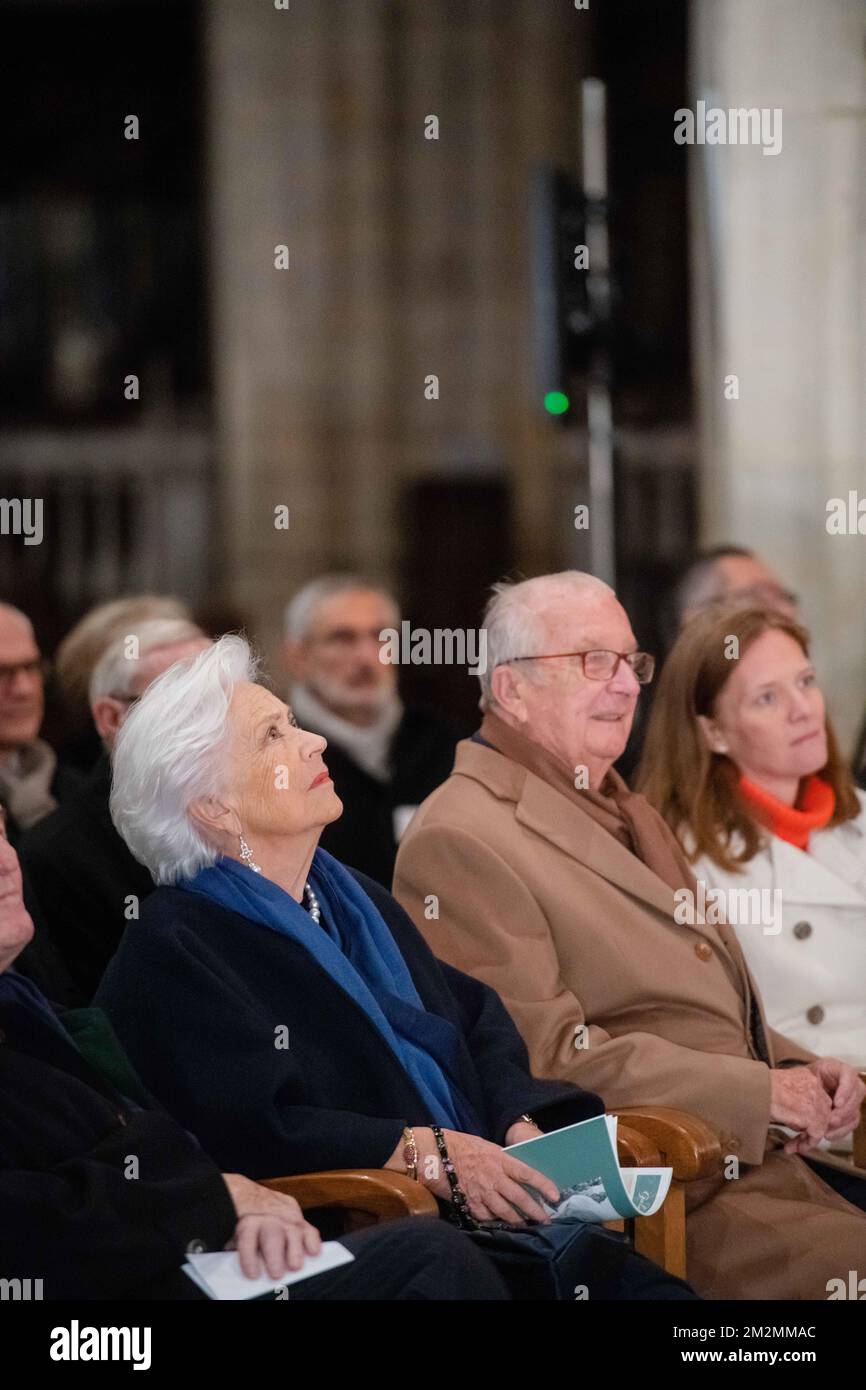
(247, 857)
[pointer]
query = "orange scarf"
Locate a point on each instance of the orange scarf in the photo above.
(814, 809)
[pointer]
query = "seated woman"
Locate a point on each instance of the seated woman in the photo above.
(742, 762)
(68, 1209)
(284, 1008)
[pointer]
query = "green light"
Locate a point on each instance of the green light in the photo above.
(556, 403)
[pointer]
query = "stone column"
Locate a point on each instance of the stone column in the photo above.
(779, 278)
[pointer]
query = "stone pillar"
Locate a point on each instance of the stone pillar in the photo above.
(779, 278)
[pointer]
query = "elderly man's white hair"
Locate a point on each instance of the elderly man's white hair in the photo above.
(170, 751)
(515, 615)
(300, 610)
(114, 672)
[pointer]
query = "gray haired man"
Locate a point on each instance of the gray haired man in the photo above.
(85, 882)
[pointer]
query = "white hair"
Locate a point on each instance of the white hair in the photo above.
(170, 751)
(514, 619)
(115, 671)
(300, 610)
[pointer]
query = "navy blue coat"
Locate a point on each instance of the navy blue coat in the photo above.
(200, 997)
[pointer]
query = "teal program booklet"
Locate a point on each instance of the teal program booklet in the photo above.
(582, 1160)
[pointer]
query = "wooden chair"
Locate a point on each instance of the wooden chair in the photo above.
(363, 1196)
(649, 1137)
(679, 1141)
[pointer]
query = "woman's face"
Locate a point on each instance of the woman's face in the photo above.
(277, 782)
(769, 716)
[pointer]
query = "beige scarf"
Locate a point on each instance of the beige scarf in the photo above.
(622, 813)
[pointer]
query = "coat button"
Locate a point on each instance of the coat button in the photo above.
(196, 1247)
(815, 1014)
(802, 930)
(703, 950)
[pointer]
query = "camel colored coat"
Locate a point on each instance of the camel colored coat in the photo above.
(511, 882)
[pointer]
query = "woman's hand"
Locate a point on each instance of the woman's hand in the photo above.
(490, 1178)
(271, 1228)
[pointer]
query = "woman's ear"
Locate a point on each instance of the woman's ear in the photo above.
(713, 736)
(213, 819)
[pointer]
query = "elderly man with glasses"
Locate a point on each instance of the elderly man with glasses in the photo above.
(31, 783)
(535, 869)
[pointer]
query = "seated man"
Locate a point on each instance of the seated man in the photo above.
(31, 782)
(70, 1216)
(383, 757)
(536, 870)
(84, 883)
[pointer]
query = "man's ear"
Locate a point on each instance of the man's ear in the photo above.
(108, 715)
(213, 819)
(507, 687)
(713, 736)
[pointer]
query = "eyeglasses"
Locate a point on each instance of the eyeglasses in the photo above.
(603, 665)
(36, 667)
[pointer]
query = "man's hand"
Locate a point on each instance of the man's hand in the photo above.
(842, 1083)
(799, 1100)
(16, 924)
(271, 1227)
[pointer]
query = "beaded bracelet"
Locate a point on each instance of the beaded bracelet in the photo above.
(459, 1202)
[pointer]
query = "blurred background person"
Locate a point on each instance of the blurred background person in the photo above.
(384, 757)
(724, 574)
(733, 576)
(742, 762)
(32, 783)
(85, 883)
(80, 742)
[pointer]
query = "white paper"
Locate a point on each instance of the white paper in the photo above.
(218, 1273)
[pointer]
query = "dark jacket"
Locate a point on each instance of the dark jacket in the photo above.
(197, 994)
(421, 756)
(82, 877)
(69, 1214)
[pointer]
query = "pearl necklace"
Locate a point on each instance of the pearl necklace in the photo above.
(313, 907)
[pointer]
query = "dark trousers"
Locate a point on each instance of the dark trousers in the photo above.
(848, 1185)
(417, 1259)
(424, 1259)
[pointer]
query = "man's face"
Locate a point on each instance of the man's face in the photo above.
(22, 696)
(339, 657)
(583, 722)
(745, 579)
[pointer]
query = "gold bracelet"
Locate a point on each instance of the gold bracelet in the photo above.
(410, 1154)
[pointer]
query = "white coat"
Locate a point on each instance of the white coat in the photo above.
(812, 971)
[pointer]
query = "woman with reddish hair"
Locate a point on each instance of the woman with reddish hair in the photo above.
(742, 762)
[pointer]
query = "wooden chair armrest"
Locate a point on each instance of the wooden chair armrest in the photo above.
(636, 1150)
(683, 1142)
(378, 1192)
(859, 1139)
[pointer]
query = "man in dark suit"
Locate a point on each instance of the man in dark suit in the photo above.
(384, 759)
(71, 1218)
(84, 885)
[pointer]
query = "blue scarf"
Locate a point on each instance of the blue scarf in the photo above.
(353, 944)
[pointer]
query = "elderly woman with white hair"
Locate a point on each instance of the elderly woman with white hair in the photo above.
(284, 1008)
